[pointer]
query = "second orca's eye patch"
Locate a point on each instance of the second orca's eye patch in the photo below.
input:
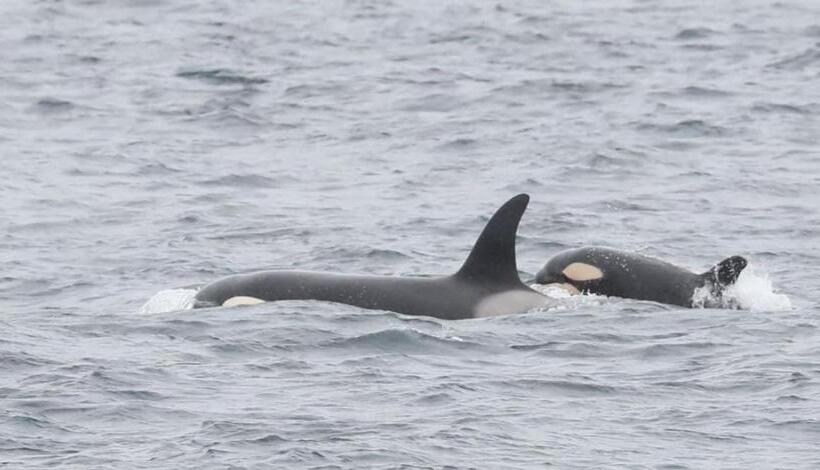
(582, 272)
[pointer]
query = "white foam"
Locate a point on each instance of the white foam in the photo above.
(754, 291)
(567, 300)
(553, 291)
(169, 300)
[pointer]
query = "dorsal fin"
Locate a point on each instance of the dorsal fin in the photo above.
(727, 271)
(493, 255)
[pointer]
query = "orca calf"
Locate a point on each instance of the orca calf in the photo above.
(486, 285)
(609, 272)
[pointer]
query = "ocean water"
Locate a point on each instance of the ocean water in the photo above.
(151, 146)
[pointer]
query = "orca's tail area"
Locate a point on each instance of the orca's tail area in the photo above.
(493, 255)
(727, 271)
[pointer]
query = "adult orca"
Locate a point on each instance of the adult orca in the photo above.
(487, 283)
(605, 271)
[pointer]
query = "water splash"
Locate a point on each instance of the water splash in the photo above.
(752, 291)
(566, 300)
(553, 291)
(169, 300)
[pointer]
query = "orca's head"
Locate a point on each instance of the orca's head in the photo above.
(573, 268)
(716, 280)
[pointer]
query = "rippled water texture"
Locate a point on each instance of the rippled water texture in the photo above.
(150, 145)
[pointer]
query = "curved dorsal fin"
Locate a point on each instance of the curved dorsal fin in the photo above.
(493, 255)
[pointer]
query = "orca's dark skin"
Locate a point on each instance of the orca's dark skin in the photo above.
(487, 284)
(605, 271)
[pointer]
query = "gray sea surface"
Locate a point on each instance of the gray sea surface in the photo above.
(150, 146)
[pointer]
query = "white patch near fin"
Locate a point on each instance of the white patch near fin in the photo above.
(242, 300)
(169, 300)
(558, 290)
(514, 301)
(582, 272)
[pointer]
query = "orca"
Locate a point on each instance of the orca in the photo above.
(605, 271)
(486, 285)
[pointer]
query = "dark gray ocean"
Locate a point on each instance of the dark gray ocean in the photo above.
(151, 146)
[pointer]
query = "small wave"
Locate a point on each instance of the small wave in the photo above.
(54, 105)
(169, 300)
(551, 87)
(242, 181)
(812, 31)
(569, 350)
(702, 47)
(601, 161)
(694, 33)
(156, 168)
(227, 116)
(782, 108)
(138, 394)
(307, 91)
(560, 387)
(435, 399)
(686, 129)
(405, 341)
(458, 38)
(435, 103)
(696, 91)
(221, 77)
(386, 255)
(799, 61)
(459, 144)
(21, 359)
(248, 233)
(616, 205)
(792, 398)
(656, 351)
(345, 254)
(89, 59)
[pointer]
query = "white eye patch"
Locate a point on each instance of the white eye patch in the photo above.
(582, 272)
(241, 300)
